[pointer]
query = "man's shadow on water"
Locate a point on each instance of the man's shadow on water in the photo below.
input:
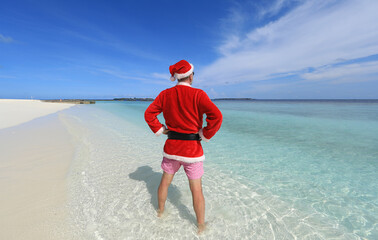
(152, 180)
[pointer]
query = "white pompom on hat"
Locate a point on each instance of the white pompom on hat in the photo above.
(181, 69)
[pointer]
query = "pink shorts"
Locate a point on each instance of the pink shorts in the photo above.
(192, 170)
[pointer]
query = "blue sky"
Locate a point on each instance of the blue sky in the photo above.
(261, 49)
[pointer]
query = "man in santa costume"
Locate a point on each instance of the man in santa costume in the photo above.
(183, 108)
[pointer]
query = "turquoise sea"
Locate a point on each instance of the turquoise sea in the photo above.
(275, 170)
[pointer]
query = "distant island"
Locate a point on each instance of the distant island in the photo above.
(248, 99)
(133, 99)
(73, 101)
(93, 101)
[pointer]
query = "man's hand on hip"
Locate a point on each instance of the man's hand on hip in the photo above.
(166, 131)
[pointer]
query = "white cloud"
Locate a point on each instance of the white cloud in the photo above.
(5, 39)
(164, 76)
(121, 75)
(105, 39)
(357, 72)
(274, 8)
(155, 78)
(314, 34)
(232, 42)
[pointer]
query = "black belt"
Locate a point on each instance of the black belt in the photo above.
(183, 136)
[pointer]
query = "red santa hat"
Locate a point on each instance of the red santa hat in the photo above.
(181, 69)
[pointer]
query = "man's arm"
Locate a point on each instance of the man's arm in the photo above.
(150, 116)
(213, 118)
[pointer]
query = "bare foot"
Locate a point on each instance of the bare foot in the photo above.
(159, 213)
(201, 228)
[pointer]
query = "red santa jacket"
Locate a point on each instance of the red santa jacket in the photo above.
(183, 108)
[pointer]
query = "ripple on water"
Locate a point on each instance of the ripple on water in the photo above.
(116, 197)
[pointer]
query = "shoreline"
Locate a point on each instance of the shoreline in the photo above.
(36, 153)
(109, 188)
(116, 171)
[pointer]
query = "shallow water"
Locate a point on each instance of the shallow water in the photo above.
(276, 170)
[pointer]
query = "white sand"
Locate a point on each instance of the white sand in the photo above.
(14, 111)
(34, 161)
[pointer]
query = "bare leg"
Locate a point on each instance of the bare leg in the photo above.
(198, 202)
(166, 180)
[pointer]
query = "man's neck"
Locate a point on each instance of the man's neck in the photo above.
(185, 83)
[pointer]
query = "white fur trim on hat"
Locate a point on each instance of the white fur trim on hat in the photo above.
(184, 75)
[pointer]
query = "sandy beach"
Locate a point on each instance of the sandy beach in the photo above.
(36, 152)
(16, 111)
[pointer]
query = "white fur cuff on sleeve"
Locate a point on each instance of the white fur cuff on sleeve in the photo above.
(202, 136)
(161, 130)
